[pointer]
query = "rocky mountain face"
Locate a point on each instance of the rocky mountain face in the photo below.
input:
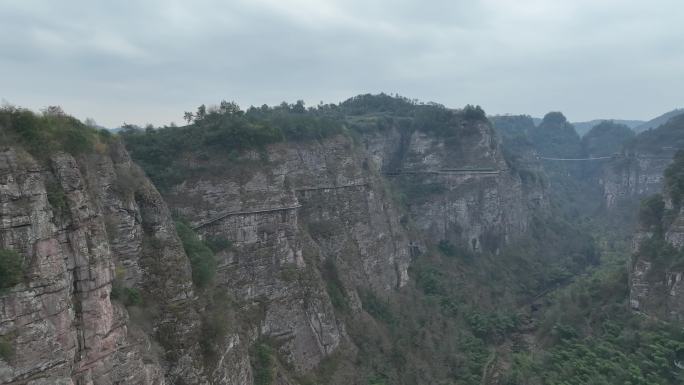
(308, 212)
(299, 212)
(458, 189)
(306, 230)
(82, 226)
(638, 171)
(656, 286)
(658, 121)
(634, 177)
(583, 128)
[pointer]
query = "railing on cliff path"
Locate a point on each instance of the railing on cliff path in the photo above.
(274, 209)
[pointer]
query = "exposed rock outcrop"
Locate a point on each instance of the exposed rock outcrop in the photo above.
(656, 286)
(459, 189)
(306, 230)
(638, 172)
(78, 224)
(306, 206)
(633, 177)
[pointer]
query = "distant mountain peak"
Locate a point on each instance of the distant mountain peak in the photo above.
(660, 120)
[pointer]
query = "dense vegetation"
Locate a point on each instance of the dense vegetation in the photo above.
(170, 155)
(518, 150)
(674, 180)
(656, 218)
(224, 131)
(263, 365)
(11, 268)
(201, 256)
(606, 138)
(589, 334)
(664, 139)
(446, 328)
(555, 137)
(51, 131)
(129, 296)
(591, 337)
(6, 348)
(443, 328)
(574, 187)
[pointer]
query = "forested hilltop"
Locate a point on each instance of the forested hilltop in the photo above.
(380, 240)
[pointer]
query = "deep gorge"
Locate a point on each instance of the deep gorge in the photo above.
(375, 241)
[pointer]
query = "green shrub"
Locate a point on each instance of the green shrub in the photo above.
(200, 255)
(471, 112)
(289, 272)
(217, 244)
(11, 268)
(263, 365)
(52, 131)
(77, 140)
(217, 318)
(221, 133)
(133, 297)
(324, 229)
(129, 296)
(56, 196)
(214, 328)
(334, 286)
(651, 213)
(674, 179)
(380, 310)
(6, 348)
(492, 326)
(429, 279)
(447, 248)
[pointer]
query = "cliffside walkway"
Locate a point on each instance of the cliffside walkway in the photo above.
(445, 171)
(247, 212)
(274, 209)
(616, 156)
(577, 159)
(340, 187)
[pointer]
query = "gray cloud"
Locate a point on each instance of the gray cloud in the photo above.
(148, 61)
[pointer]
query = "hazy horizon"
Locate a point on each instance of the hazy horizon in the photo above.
(149, 62)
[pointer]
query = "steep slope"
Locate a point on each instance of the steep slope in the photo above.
(457, 185)
(555, 137)
(658, 121)
(375, 241)
(325, 210)
(308, 210)
(518, 150)
(606, 138)
(562, 156)
(656, 286)
(638, 172)
(79, 226)
(583, 127)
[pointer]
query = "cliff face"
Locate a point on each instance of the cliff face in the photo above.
(639, 172)
(458, 189)
(633, 177)
(656, 286)
(78, 224)
(293, 214)
(306, 231)
(302, 216)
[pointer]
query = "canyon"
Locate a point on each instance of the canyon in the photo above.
(311, 240)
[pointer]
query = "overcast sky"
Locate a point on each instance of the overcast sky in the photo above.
(148, 61)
